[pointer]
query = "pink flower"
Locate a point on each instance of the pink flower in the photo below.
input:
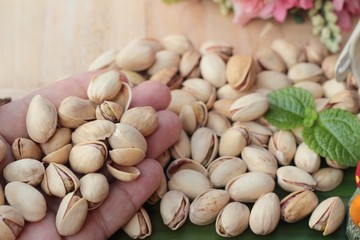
(344, 9)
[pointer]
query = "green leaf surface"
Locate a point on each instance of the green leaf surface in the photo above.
(171, 1)
(335, 135)
(287, 107)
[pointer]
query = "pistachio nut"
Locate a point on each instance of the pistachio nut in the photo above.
(136, 56)
(109, 110)
(240, 72)
(283, 146)
(272, 80)
(322, 104)
(184, 163)
(71, 214)
(59, 180)
(174, 209)
(11, 223)
(133, 78)
(139, 225)
(126, 136)
(144, 119)
(124, 96)
(307, 159)
(225, 168)
(212, 69)
(104, 60)
(3, 149)
(87, 157)
(328, 215)
(190, 182)
(269, 59)
(25, 170)
(288, 51)
(2, 196)
(328, 65)
(222, 106)
(233, 140)
(258, 159)
(122, 173)
(25, 148)
(60, 156)
(328, 178)
(169, 76)
(217, 122)
(165, 157)
(74, 111)
(301, 72)
(298, 134)
(154, 43)
(164, 59)
(189, 64)
(315, 51)
(232, 220)
(94, 187)
(193, 115)
(159, 192)
(181, 149)
(127, 156)
(201, 89)
(314, 88)
(179, 98)
(221, 48)
(41, 119)
(332, 87)
(297, 205)
(27, 200)
(249, 107)
(61, 137)
(265, 214)
(348, 100)
(204, 145)
(259, 134)
(291, 178)
(96, 130)
(177, 43)
(227, 91)
(206, 206)
(335, 164)
(248, 187)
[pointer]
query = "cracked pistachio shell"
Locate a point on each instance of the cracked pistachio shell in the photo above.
(193, 116)
(298, 134)
(174, 209)
(322, 104)
(204, 145)
(11, 223)
(291, 179)
(155, 44)
(259, 134)
(177, 43)
(189, 64)
(126, 136)
(3, 150)
(206, 206)
(109, 110)
(60, 156)
(307, 159)
(249, 107)
(269, 59)
(240, 72)
(179, 98)
(104, 60)
(163, 59)
(94, 187)
(105, 86)
(221, 48)
(25, 148)
(96, 130)
(74, 111)
(297, 205)
(265, 214)
(133, 78)
(217, 122)
(332, 87)
(248, 187)
(328, 178)
(144, 119)
(71, 215)
(314, 88)
(27, 200)
(272, 80)
(159, 192)
(41, 119)
(225, 168)
(27, 170)
(233, 140)
(139, 225)
(190, 182)
(201, 89)
(169, 76)
(232, 220)
(222, 106)
(165, 157)
(184, 163)
(259, 159)
(61, 138)
(135, 56)
(124, 96)
(212, 69)
(122, 173)
(288, 51)
(227, 91)
(335, 164)
(2, 197)
(328, 215)
(328, 65)
(315, 51)
(348, 100)
(301, 72)
(59, 180)
(127, 156)
(87, 157)
(181, 149)
(283, 146)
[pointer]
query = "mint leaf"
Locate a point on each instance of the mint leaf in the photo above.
(310, 117)
(171, 1)
(335, 135)
(287, 107)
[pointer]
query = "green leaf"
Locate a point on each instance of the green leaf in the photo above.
(287, 107)
(171, 1)
(335, 135)
(310, 117)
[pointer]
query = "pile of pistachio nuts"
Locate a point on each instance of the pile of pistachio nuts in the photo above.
(229, 157)
(66, 151)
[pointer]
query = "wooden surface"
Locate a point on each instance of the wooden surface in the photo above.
(44, 40)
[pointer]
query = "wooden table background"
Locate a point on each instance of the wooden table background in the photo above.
(42, 41)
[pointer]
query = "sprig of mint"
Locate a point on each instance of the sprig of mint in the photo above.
(333, 133)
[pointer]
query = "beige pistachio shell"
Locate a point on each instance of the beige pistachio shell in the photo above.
(96, 130)
(60, 156)
(11, 223)
(124, 96)
(298, 134)
(190, 182)
(192, 116)
(126, 136)
(227, 91)
(218, 123)
(27, 170)
(232, 220)
(328, 65)
(240, 72)
(272, 80)
(332, 87)
(335, 164)
(328, 178)
(199, 88)
(184, 163)
(314, 88)
(328, 215)
(212, 69)
(2, 196)
(269, 59)
(291, 178)
(233, 141)
(288, 51)
(348, 100)
(169, 76)
(3, 149)
(41, 119)
(283, 146)
(25, 148)
(248, 187)
(27, 200)
(315, 51)
(189, 64)
(179, 98)
(122, 173)
(259, 134)
(204, 146)
(249, 107)
(206, 206)
(139, 226)
(94, 187)
(265, 214)
(222, 48)
(61, 138)
(177, 43)
(135, 56)
(181, 149)
(307, 159)
(109, 110)
(127, 156)
(71, 215)
(144, 119)
(159, 192)
(154, 43)
(222, 106)
(133, 78)
(322, 104)
(165, 157)
(104, 60)
(163, 59)
(225, 168)
(301, 72)
(174, 209)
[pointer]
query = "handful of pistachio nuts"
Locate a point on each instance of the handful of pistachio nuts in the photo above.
(67, 150)
(228, 155)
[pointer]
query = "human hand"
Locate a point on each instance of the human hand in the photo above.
(125, 198)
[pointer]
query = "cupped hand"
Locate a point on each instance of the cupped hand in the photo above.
(125, 198)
